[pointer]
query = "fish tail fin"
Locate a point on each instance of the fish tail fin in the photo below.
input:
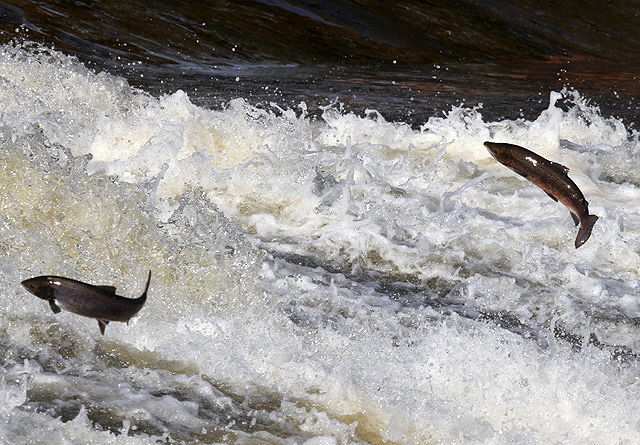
(143, 297)
(585, 230)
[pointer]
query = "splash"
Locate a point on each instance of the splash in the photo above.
(338, 279)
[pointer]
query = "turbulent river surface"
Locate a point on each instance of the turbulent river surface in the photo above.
(335, 257)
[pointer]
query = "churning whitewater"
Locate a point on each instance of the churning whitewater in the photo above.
(339, 279)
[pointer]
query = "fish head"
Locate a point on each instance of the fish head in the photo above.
(502, 153)
(41, 287)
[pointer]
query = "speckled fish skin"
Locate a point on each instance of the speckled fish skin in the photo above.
(99, 302)
(551, 177)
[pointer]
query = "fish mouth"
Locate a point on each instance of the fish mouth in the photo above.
(28, 285)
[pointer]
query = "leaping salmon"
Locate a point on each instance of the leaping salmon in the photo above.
(551, 177)
(99, 302)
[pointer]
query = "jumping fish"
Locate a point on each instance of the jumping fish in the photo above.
(551, 177)
(99, 302)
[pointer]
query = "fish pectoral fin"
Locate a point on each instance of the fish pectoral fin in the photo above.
(521, 173)
(110, 289)
(54, 307)
(576, 220)
(551, 196)
(103, 324)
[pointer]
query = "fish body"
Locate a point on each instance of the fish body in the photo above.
(99, 302)
(551, 177)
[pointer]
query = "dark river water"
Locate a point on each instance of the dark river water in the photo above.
(407, 59)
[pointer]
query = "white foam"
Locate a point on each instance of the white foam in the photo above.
(314, 356)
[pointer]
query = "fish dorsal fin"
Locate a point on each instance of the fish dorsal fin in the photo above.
(54, 307)
(109, 289)
(551, 196)
(103, 324)
(560, 168)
